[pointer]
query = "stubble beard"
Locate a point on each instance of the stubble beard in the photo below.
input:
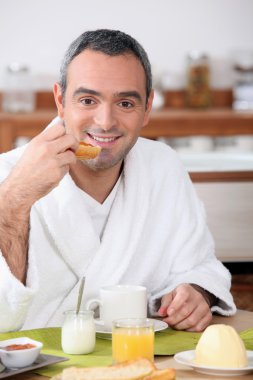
(103, 162)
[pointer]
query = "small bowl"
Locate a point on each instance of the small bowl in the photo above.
(21, 357)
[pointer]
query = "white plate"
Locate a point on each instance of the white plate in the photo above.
(186, 358)
(101, 329)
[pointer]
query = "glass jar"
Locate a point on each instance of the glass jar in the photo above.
(18, 94)
(198, 93)
(78, 334)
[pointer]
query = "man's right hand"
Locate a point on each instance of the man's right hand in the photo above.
(44, 163)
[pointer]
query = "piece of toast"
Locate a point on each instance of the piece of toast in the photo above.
(162, 374)
(87, 151)
(138, 369)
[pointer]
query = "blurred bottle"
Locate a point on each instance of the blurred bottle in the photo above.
(158, 101)
(18, 94)
(198, 93)
(243, 87)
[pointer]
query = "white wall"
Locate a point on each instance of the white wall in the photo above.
(38, 32)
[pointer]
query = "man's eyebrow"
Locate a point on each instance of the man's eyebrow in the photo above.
(83, 90)
(129, 94)
(122, 94)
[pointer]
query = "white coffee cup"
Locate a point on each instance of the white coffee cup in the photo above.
(120, 301)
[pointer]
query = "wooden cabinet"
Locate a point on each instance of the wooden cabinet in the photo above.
(211, 122)
(22, 124)
(167, 122)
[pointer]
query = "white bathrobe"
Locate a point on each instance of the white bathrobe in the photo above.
(156, 235)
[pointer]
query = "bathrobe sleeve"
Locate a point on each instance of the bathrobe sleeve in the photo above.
(15, 298)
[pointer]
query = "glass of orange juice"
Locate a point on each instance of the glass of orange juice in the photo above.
(132, 338)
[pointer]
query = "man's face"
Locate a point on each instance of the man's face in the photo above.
(105, 104)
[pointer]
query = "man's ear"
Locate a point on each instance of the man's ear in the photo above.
(148, 108)
(59, 100)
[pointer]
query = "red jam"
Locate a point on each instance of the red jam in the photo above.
(16, 347)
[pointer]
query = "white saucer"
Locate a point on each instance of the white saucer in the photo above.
(186, 358)
(101, 329)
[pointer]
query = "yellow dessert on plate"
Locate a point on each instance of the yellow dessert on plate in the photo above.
(221, 346)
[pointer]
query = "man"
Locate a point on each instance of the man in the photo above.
(130, 215)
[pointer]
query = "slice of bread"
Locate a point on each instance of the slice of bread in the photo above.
(130, 370)
(162, 374)
(138, 369)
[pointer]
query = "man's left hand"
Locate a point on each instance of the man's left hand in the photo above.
(185, 309)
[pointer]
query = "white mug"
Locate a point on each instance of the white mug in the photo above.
(120, 301)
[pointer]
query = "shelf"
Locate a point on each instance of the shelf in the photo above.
(222, 176)
(211, 122)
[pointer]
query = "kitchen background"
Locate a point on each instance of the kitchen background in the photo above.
(36, 33)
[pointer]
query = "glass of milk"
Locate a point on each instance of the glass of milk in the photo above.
(78, 334)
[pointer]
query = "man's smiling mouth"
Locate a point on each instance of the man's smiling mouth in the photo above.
(103, 139)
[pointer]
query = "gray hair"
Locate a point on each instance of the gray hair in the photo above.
(110, 42)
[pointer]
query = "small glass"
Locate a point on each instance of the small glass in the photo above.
(243, 87)
(78, 334)
(132, 338)
(18, 94)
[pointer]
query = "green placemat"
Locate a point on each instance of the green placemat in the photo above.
(167, 342)
(51, 339)
(247, 337)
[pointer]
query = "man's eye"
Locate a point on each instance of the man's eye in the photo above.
(87, 101)
(126, 104)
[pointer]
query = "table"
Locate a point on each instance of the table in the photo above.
(241, 321)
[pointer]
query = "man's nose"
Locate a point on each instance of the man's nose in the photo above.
(104, 117)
